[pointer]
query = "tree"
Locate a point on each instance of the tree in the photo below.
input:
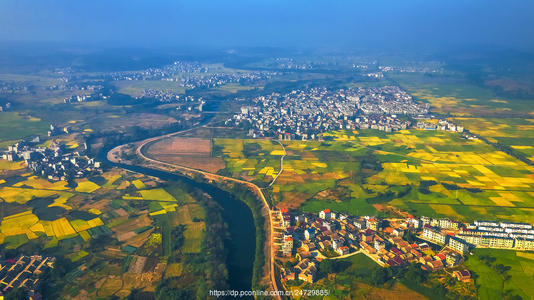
(288, 264)
(451, 281)
(415, 273)
(379, 276)
(327, 266)
(438, 289)
(501, 269)
(17, 294)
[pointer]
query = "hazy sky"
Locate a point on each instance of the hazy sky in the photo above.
(293, 23)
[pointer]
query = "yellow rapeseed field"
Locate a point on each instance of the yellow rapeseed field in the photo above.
(23, 195)
(10, 165)
(62, 228)
(86, 186)
(40, 183)
(157, 194)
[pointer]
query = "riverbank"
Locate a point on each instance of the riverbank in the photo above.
(267, 268)
(236, 215)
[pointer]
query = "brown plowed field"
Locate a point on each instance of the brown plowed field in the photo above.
(188, 152)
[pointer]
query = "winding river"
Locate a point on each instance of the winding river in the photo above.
(236, 214)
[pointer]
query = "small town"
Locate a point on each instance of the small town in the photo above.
(189, 103)
(24, 272)
(434, 244)
(305, 114)
(192, 75)
(86, 93)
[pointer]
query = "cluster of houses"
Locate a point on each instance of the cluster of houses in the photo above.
(310, 238)
(13, 86)
(305, 114)
(434, 243)
(6, 106)
(490, 234)
(85, 97)
(212, 80)
(415, 67)
(289, 64)
(443, 125)
(484, 234)
(387, 123)
(389, 100)
(24, 272)
(409, 67)
(81, 92)
(193, 75)
(190, 103)
(167, 72)
(52, 162)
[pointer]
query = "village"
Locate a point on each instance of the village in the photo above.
(189, 103)
(306, 239)
(192, 75)
(306, 114)
(24, 272)
(54, 162)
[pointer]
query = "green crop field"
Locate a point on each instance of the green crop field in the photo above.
(135, 88)
(515, 133)
(194, 234)
(158, 194)
(17, 125)
(493, 285)
(455, 95)
(432, 173)
(65, 220)
(234, 88)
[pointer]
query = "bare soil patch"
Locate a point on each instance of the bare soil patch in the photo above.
(397, 291)
(188, 152)
(292, 200)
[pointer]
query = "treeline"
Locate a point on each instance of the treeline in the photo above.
(502, 271)
(387, 196)
(506, 149)
(417, 280)
(412, 276)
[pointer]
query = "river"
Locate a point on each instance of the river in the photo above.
(236, 214)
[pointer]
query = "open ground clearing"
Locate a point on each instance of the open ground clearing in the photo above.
(190, 152)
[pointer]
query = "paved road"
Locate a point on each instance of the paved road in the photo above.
(281, 165)
(346, 255)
